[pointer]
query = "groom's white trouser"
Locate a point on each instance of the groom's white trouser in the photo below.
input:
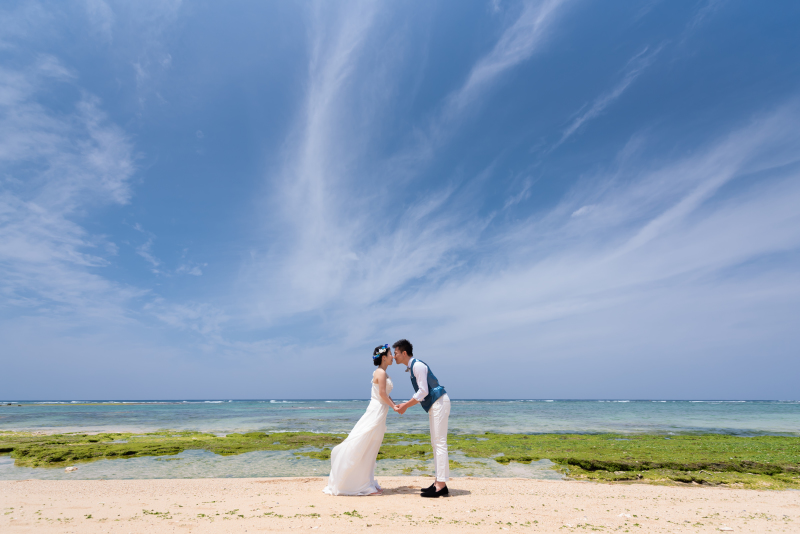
(438, 415)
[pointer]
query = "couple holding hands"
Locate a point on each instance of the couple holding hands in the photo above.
(353, 461)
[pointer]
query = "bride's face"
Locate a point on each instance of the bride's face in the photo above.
(389, 356)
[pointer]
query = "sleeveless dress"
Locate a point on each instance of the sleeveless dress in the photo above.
(353, 461)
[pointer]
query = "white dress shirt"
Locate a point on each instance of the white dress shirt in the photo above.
(420, 371)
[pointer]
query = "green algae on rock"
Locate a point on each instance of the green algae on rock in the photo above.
(757, 462)
(56, 450)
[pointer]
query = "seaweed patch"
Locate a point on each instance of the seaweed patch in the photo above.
(764, 462)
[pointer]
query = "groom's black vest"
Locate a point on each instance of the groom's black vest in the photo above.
(434, 389)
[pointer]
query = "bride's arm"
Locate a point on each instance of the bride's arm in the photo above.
(380, 375)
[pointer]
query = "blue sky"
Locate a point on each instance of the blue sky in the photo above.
(550, 199)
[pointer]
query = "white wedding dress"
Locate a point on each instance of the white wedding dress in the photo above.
(353, 461)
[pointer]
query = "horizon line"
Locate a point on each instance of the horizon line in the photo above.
(345, 399)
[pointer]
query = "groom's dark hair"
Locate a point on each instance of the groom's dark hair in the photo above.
(404, 345)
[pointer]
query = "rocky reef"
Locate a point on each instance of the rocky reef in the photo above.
(766, 462)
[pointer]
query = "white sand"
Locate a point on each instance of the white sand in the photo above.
(476, 505)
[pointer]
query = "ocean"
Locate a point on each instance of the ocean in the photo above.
(223, 416)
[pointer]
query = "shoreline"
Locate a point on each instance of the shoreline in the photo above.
(476, 504)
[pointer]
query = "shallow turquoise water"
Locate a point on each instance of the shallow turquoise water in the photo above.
(467, 416)
(204, 464)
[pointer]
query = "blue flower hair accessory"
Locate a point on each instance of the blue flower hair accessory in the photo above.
(381, 352)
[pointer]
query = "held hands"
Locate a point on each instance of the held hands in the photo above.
(401, 409)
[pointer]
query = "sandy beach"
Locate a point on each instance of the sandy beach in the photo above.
(476, 504)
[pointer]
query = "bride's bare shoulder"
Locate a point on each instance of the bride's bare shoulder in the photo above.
(378, 374)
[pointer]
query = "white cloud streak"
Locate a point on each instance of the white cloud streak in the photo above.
(59, 300)
(517, 43)
(341, 247)
(635, 67)
(346, 267)
(55, 166)
(672, 243)
(145, 250)
(101, 17)
(201, 318)
(706, 11)
(358, 256)
(610, 248)
(625, 253)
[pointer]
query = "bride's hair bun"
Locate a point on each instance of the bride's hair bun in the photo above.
(379, 353)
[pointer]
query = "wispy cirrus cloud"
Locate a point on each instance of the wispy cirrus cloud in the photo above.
(145, 250)
(632, 258)
(432, 270)
(311, 185)
(193, 270)
(517, 43)
(326, 199)
(101, 16)
(703, 13)
(61, 305)
(633, 69)
(56, 166)
(202, 318)
(636, 65)
(620, 253)
(144, 28)
(341, 260)
(401, 199)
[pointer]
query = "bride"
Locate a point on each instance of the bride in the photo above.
(353, 461)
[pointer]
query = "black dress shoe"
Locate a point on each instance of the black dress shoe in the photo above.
(444, 492)
(429, 489)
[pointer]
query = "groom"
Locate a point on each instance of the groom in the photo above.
(435, 401)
